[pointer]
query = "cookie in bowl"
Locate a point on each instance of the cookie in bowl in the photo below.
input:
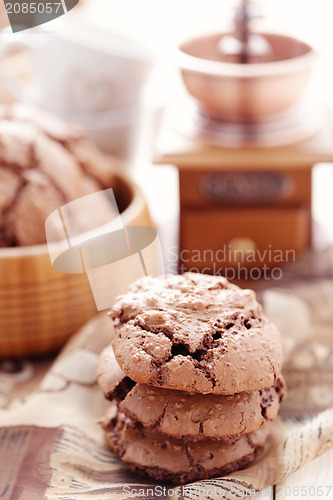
(45, 164)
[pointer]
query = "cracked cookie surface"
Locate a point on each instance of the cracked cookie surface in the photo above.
(188, 415)
(196, 333)
(179, 461)
(198, 416)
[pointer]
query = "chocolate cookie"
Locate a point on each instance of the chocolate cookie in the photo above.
(179, 461)
(195, 333)
(198, 416)
(110, 377)
(44, 164)
(188, 415)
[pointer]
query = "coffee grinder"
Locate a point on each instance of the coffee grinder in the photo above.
(244, 141)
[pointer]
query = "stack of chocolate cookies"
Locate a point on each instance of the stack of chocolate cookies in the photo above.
(195, 368)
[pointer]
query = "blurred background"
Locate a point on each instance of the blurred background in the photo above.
(149, 31)
(161, 25)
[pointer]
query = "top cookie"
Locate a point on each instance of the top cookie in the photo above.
(195, 333)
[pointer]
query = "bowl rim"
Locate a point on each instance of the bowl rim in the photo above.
(135, 207)
(231, 70)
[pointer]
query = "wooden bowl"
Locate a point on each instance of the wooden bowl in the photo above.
(252, 92)
(40, 307)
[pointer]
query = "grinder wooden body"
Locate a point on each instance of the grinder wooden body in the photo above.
(243, 207)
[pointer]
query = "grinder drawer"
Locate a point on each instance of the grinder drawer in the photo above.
(252, 237)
